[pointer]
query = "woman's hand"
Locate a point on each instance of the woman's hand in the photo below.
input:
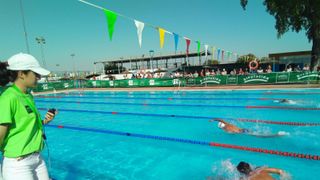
(49, 117)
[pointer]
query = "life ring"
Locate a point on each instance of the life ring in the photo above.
(255, 66)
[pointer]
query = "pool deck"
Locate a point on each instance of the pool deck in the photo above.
(207, 88)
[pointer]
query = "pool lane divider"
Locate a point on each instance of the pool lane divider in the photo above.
(189, 117)
(156, 98)
(185, 93)
(278, 122)
(283, 107)
(189, 141)
(186, 105)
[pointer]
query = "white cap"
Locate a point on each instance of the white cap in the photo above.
(221, 125)
(21, 62)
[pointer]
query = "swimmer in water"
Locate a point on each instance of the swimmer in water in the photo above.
(230, 128)
(285, 101)
(258, 173)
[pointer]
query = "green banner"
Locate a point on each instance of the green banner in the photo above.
(51, 86)
(271, 78)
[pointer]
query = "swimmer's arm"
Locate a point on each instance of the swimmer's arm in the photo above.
(221, 120)
(274, 171)
(3, 132)
(217, 119)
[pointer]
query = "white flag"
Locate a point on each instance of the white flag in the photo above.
(140, 26)
(206, 48)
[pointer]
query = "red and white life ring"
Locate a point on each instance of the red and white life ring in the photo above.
(253, 65)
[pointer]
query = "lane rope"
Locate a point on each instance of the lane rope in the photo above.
(188, 141)
(187, 105)
(189, 117)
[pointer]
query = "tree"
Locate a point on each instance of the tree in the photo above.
(211, 62)
(297, 15)
(246, 58)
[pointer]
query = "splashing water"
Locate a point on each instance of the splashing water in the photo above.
(225, 170)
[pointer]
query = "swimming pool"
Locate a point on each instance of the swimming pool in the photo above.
(166, 135)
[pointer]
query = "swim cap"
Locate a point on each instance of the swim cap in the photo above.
(221, 125)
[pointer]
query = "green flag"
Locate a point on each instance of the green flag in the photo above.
(111, 20)
(198, 48)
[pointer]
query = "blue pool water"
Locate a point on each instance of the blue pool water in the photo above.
(99, 139)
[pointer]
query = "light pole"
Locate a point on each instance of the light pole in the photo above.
(41, 41)
(95, 68)
(24, 28)
(74, 69)
(151, 53)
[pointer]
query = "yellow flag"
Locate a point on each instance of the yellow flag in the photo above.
(161, 35)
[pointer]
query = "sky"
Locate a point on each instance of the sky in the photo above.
(71, 27)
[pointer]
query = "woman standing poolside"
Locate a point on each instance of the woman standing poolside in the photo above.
(21, 127)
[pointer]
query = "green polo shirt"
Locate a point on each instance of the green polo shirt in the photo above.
(24, 135)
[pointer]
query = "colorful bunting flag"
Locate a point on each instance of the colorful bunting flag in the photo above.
(111, 20)
(206, 50)
(213, 51)
(161, 35)
(140, 26)
(199, 46)
(176, 40)
(188, 45)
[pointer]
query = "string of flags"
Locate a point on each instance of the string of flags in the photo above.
(111, 18)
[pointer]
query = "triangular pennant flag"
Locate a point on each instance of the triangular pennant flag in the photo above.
(140, 26)
(176, 40)
(188, 45)
(161, 35)
(206, 50)
(199, 46)
(213, 51)
(218, 54)
(111, 19)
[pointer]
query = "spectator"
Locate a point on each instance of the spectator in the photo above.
(195, 74)
(218, 72)
(202, 73)
(297, 69)
(306, 67)
(241, 72)
(207, 72)
(289, 69)
(176, 74)
(246, 72)
(269, 69)
(212, 73)
(260, 70)
(224, 72)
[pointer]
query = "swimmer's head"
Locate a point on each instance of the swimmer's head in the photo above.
(244, 168)
(284, 100)
(221, 125)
